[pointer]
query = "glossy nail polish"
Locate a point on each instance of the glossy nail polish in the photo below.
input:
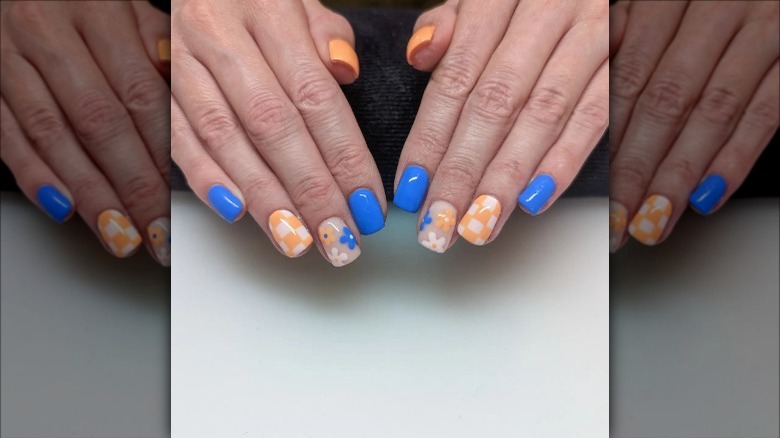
(618, 217)
(159, 234)
(164, 50)
(118, 233)
(289, 232)
(54, 203)
(437, 226)
(225, 203)
(648, 225)
(419, 40)
(536, 195)
(366, 211)
(479, 220)
(338, 241)
(706, 197)
(341, 52)
(411, 189)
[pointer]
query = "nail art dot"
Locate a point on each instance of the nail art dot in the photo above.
(426, 220)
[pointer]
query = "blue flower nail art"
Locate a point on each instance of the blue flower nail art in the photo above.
(348, 238)
(426, 220)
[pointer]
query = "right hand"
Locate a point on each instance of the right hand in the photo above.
(259, 123)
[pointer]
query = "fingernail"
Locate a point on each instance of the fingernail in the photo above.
(706, 196)
(341, 52)
(649, 223)
(118, 233)
(339, 242)
(479, 220)
(56, 205)
(225, 203)
(164, 50)
(437, 226)
(366, 211)
(289, 232)
(617, 224)
(536, 195)
(419, 40)
(411, 189)
(159, 233)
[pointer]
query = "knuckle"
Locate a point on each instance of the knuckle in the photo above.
(140, 192)
(764, 114)
(495, 98)
(719, 106)
(142, 91)
(197, 15)
(97, 117)
(216, 127)
(665, 100)
(432, 141)
(314, 91)
(349, 162)
(628, 73)
(258, 187)
(548, 106)
(458, 171)
(592, 116)
(682, 170)
(313, 189)
(511, 168)
(85, 187)
(457, 73)
(630, 172)
(46, 126)
(28, 15)
(267, 115)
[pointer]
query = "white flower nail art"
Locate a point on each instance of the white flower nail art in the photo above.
(337, 258)
(435, 244)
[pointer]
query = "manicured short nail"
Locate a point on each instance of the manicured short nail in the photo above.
(289, 232)
(411, 189)
(536, 195)
(164, 50)
(118, 233)
(617, 224)
(338, 241)
(419, 40)
(708, 194)
(56, 205)
(649, 223)
(437, 226)
(366, 211)
(225, 203)
(479, 220)
(341, 52)
(159, 233)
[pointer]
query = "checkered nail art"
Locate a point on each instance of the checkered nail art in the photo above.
(617, 224)
(159, 234)
(118, 233)
(479, 220)
(289, 232)
(338, 241)
(649, 223)
(437, 226)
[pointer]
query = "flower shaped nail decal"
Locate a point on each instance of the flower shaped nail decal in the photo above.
(337, 258)
(445, 220)
(326, 236)
(348, 238)
(433, 243)
(426, 220)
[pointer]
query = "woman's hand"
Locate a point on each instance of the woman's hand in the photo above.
(85, 116)
(694, 101)
(516, 102)
(261, 125)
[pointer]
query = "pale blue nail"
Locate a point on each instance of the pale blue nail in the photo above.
(536, 195)
(708, 194)
(411, 189)
(56, 205)
(366, 211)
(225, 203)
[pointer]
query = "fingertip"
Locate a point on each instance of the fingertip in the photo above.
(416, 53)
(345, 66)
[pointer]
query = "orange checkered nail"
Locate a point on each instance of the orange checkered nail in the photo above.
(289, 232)
(617, 224)
(649, 223)
(338, 241)
(479, 220)
(118, 233)
(159, 233)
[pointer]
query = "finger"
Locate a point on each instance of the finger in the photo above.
(618, 15)
(664, 105)
(328, 118)
(44, 124)
(649, 29)
(334, 41)
(431, 36)
(733, 163)
(712, 121)
(33, 176)
(155, 29)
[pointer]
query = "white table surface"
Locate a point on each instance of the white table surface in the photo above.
(502, 341)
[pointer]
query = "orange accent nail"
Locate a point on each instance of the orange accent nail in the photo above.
(164, 50)
(118, 233)
(420, 39)
(649, 223)
(479, 220)
(341, 52)
(289, 232)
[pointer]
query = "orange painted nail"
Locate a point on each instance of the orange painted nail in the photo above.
(341, 52)
(164, 50)
(420, 39)
(118, 233)
(289, 232)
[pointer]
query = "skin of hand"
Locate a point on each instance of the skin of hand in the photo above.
(694, 100)
(84, 116)
(259, 123)
(517, 100)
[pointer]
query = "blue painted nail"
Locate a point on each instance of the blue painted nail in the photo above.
(536, 195)
(707, 195)
(366, 211)
(54, 203)
(226, 203)
(411, 189)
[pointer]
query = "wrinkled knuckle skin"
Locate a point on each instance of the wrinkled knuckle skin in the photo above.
(216, 127)
(350, 163)
(627, 73)
(198, 16)
(98, 118)
(763, 115)
(456, 74)
(511, 169)
(143, 91)
(315, 91)
(46, 127)
(494, 99)
(458, 173)
(432, 142)
(257, 188)
(267, 116)
(84, 188)
(140, 192)
(629, 173)
(719, 106)
(313, 189)
(665, 100)
(682, 171)
(548, 106)
(31, 16)
(591, 117)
